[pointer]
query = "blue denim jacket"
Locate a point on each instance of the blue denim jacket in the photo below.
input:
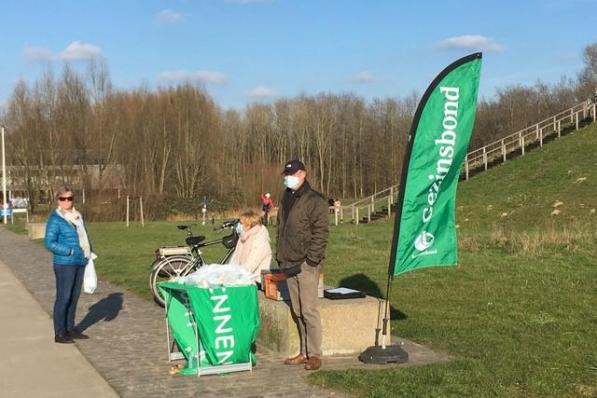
(63, 241)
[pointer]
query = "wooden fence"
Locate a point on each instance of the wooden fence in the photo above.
(481, 158)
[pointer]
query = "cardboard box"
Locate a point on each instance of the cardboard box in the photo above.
(275, 287)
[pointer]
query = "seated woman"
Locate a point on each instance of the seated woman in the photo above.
(253, 250)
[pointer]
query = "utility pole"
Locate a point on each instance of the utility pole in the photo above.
(5, 201)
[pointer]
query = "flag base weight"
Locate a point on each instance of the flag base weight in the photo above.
(382, 356)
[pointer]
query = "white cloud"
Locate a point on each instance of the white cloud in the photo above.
(204, 76)
(168, 17)
(261, 92)
(75, 51)
(362, 77)
(471, 42)
(568, 56)
(78, 50)
(37, 54)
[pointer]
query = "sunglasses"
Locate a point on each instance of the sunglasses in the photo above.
(69, 198)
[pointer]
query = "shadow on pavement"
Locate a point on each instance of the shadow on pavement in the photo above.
(106, 310)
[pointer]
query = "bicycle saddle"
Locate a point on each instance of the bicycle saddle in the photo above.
(194, 240)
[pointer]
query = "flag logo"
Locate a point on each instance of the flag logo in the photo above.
(424, 241)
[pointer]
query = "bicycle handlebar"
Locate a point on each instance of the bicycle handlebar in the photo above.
(229, 224)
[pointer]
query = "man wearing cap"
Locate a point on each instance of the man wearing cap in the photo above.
(302, 239)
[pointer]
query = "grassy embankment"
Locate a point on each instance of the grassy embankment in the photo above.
(519, 314)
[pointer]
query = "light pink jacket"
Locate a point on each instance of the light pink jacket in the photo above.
(253, 251)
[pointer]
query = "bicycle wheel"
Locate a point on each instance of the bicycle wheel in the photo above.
(168, 269)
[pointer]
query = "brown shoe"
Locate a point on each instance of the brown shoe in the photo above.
(313, 363)
(295, 360)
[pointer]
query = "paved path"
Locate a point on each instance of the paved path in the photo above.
(128, 343)
(32, 364)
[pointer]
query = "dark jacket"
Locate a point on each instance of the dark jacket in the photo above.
(63, 241)
(303, 231)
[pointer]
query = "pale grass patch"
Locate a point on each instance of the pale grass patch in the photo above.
(586, 391)
(570, 238)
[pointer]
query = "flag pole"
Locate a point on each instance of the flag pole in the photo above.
(385, 318)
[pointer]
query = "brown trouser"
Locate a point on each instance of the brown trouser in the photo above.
(305, 306)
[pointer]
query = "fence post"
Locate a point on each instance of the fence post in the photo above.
(522, 144)
(369, 214)
(503, 150)
(541, 137)
(466, 167)
(559, 128)
(127, 210)
(341, 213)
(141, 211)
(594, 112)
(577, 119)
(373, 202)
(335, 216)
(390, 203)
(357, 217)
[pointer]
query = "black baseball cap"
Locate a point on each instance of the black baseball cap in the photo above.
(292, 166)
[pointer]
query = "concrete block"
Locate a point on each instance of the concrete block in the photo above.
(36, 230)
(348, 325)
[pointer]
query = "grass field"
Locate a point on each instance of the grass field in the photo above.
(519, 314)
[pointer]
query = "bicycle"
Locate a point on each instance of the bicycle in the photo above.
(174, 262)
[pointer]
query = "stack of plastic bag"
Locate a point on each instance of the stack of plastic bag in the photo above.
(216, 275)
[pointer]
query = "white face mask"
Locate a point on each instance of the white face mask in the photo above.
(291, 182)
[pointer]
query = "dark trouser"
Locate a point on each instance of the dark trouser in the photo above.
(305, 306)
(69, 279)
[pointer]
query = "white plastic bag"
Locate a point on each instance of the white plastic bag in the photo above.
(90, 277)
(215, 275)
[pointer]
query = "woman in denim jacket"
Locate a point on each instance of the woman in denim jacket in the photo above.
(66, 237)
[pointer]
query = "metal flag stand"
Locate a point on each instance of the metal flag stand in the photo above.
(384, 354)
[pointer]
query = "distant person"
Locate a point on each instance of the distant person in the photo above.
(253, 250)
(302, 240)
(330, 205)
(337, 206)
(66, 237)
(267, 205)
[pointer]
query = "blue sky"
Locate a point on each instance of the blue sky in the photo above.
(259, 50)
